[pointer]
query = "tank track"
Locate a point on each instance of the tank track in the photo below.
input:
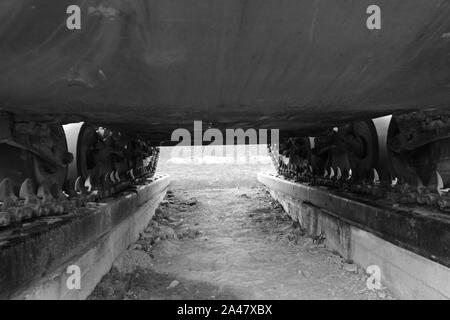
(374, 189)
(50, 200)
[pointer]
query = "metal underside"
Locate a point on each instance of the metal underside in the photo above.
(153, 66)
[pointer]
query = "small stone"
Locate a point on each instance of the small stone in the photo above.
(192, 201)
(350, 267)
(173, 284)
(307, 243)
(109, 292)
(170, 219)
(146, 236)
(382, 295)
(361, 272)
(148, 230)
(335, 259)
(136, 246)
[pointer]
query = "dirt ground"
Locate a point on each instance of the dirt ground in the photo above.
(219, 235)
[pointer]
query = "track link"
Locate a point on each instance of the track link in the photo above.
(407, 189)
(50, 198)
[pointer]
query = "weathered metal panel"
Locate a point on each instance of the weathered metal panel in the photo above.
(160, 64)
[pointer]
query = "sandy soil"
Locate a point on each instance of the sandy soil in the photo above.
(219, 235)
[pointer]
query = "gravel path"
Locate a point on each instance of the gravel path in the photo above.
(211, 239)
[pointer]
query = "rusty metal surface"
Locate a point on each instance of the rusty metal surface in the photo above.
(160, 64)
(422, 231)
